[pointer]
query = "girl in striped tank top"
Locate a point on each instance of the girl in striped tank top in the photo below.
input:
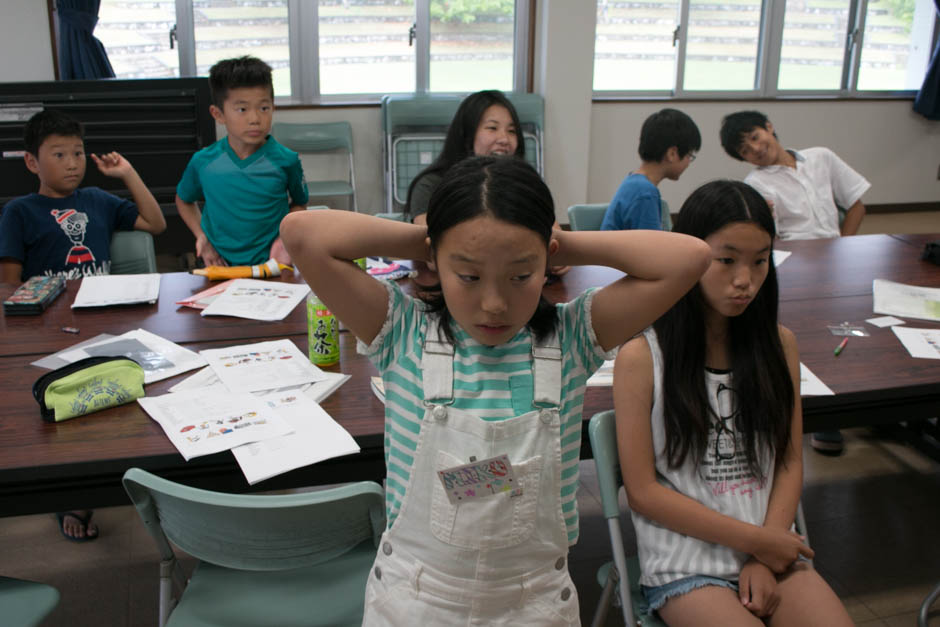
(484, 385)
(709, 428)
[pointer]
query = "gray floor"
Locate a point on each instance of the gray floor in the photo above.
(872, 513)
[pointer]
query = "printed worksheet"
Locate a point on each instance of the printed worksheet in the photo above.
(908, 301)
(262, 366)
(201, 422)
(159, 357)
(117, 289)
(257, 299)
(315, 437)
(811, 385)
(922, 343)
(206, 378)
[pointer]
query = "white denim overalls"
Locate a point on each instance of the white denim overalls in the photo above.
(498, 560)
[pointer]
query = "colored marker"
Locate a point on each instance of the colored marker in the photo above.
(841, 345)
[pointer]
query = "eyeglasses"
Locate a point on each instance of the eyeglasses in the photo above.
(724, 435)
(692, 156)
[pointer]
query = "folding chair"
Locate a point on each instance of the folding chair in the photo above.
(602, 433)
(925, 606)
(25, 603)
(322, 138)
(586, 217)
(132, 253)
(296, 559)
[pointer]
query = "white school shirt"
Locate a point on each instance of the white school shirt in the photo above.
(726, 486)
(805, 198)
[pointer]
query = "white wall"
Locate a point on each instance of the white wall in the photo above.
(26, 48)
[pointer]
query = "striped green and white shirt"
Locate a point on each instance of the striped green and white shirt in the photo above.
(493, 382)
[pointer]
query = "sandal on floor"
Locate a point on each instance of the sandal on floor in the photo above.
(84, 520)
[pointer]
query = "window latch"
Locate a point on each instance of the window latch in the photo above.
(851, 38)
(172, 36)
(675, 35)
(412, 34)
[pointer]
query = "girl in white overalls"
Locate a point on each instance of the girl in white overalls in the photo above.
(484, 385)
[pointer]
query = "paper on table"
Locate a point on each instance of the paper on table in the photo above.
(780, 256)
(160, 358)
(203, 299)
(909, 301)
(322, 389)
(201, 422)
(315, 437)
(55, 360)
(884, 321)
(117, 289)
(257, 300)
(603, 376)
(922, 343)
(206, 378)
(811, 385)
(262, 366)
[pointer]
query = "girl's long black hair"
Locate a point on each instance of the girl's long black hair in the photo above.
(458, 145)
(509, 190)
(760, 376)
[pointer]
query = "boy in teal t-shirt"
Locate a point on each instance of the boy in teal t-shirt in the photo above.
(244, 178)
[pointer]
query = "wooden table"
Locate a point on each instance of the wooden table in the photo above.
(78, 464)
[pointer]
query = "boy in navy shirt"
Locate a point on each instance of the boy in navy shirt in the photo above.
(63, 229)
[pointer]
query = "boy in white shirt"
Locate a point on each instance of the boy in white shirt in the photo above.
(805, 186)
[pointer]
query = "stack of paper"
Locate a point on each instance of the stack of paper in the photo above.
(260, 401)
(117, 289)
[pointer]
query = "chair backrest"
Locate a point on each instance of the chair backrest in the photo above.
(257, 532)
(586, 217)
(314, 137)
(24, 602)
(665, 215)
(132, 253)
(415, 126)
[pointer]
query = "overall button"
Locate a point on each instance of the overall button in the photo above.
(560, 563)
(439, 412)
(546, 415)
(566, 594)
(386, 548)
(378, 573)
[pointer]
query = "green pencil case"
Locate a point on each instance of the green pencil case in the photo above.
(88, 385)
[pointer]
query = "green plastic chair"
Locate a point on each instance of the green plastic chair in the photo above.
(132, 253)
(322, 138)
(620, 578)
(295, 559)
(586, 217)
(25, 603)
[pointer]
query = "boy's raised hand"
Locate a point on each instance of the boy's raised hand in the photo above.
(113, 164)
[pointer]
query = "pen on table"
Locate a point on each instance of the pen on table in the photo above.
(841, 345)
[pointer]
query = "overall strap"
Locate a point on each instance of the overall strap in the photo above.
(546, 372)
(437, 365)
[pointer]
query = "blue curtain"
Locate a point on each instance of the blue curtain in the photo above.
(927, 102)
(81, 55)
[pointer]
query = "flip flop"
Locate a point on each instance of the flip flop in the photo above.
(84, 520)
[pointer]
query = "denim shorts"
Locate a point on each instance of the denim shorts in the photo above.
(657, 596)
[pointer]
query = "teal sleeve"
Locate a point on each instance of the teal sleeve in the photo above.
(576, 332)
(296, 184)
(189, 188)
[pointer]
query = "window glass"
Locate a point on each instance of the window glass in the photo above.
(813, 50)
(721, 50)
(136, 36)
(364, 46)
(234, 28)
(896, 47)
(633, 48)
(471, 45)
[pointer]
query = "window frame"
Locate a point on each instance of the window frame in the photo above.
(303, 45)
(769, 49)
